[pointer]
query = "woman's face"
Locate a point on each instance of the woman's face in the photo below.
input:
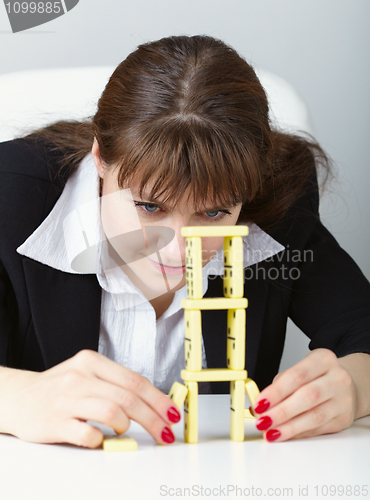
(147, 234)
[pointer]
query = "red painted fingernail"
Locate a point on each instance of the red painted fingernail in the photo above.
(262, 406)
(263, 423)
(272, 435)
(173, 415)
(167, 435)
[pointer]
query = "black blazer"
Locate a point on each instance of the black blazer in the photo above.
(46, 316)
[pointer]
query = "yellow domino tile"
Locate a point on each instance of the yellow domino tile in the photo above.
(193, 339)
(252, 391)
(214, 375)
(193, 259)
(236, 332)
(233, 282)
(122, 443)
(191, 413)
(237, 403)
(207, 231)
(213, 304)
(248, 413)
(178, 393)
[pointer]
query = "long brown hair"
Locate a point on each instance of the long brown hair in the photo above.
(190, 115)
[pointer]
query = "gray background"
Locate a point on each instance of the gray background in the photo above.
(319, 46)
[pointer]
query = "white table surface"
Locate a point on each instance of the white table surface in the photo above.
(213, 468)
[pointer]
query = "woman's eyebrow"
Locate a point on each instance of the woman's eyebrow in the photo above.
(148, 197)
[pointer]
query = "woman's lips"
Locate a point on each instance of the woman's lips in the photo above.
(170, 270)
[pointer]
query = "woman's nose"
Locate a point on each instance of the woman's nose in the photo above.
(173, 253)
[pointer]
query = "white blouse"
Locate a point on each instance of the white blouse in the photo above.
(70, 238)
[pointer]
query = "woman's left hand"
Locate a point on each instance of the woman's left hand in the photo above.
(315, 396)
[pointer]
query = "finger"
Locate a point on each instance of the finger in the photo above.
(325, 417)
(278, 376)
(109, 371)
(313, 366)
(305, 398)
(337, 424)
(137, 409)
(130, 404)
(103, 411)
(79, 433)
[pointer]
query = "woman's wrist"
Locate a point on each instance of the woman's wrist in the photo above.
(11, 380)
(358, 366)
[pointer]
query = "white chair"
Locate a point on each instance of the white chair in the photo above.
(31, 99)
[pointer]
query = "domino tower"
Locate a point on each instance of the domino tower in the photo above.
(235, 304)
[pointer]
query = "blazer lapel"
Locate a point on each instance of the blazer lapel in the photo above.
(65, 310)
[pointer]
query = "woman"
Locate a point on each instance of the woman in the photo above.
(181, 137)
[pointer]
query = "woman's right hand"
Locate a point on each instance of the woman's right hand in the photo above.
(53, 406)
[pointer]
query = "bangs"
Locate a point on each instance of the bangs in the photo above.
(187, 158)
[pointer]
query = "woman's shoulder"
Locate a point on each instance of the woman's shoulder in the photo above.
(33, 158)
(30, 185)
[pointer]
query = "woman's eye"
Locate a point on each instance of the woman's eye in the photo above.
(147, 207)
(216, 214)
(150, 207)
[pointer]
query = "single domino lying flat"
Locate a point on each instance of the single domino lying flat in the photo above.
(122, 443)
